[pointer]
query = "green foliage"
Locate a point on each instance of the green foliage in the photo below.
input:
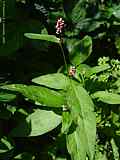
(81, 50)
(38, 94)
(60, 100)
(5, 145)
(6, 97)
(81, 137)
(36, 124)
(107, 97)
(55, 81)
(50, 38)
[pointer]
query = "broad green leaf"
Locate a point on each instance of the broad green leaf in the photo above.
(73, 8)
(81, 50)
(7, 97)
(56, 80)
(37, 123)
(81, 138)
(77, 143)
(50, 38)
(115, 149)
(106, 97)
(42, 95)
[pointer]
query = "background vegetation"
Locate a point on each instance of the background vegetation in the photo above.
(59, 94)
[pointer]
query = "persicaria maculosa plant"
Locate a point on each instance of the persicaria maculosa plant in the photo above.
(80, 116)
(66, 93)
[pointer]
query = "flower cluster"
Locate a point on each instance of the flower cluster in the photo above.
(72, 71)
(60, 26)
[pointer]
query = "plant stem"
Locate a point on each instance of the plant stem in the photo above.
(3, 22)
(63, 57)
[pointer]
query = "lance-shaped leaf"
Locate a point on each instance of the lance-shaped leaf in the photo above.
(5, 145)
(81, 50)
(7, 97)
(56, 80)
(115, 149)
(37, 123)
(81, 138)
(88, 71)
(106, 97)
(50, 38)
(42, 95)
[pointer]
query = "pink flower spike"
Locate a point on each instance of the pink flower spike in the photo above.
(60, 26)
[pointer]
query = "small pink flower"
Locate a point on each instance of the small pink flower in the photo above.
(60, 26)
(72, 71)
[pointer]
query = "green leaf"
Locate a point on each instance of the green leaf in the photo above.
(42, 95)
(81, 50)
(88, 71)
(61, 158)
(117, 44)
(66, 122)
(24, 156)
(7, 97)
(82, 136)
(116, 11)
(37, 123)
(50, 38)
(88, 25)
(78, 8)
(106, 97)
(72, 9)
(5, 145)
(97, 69)
(56, 80)
(115, 149)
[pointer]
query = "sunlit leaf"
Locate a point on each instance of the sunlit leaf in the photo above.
(37, 123)
(39, 94)
(56, 81)
(106, 97)
(81, 137)
(50, 38)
